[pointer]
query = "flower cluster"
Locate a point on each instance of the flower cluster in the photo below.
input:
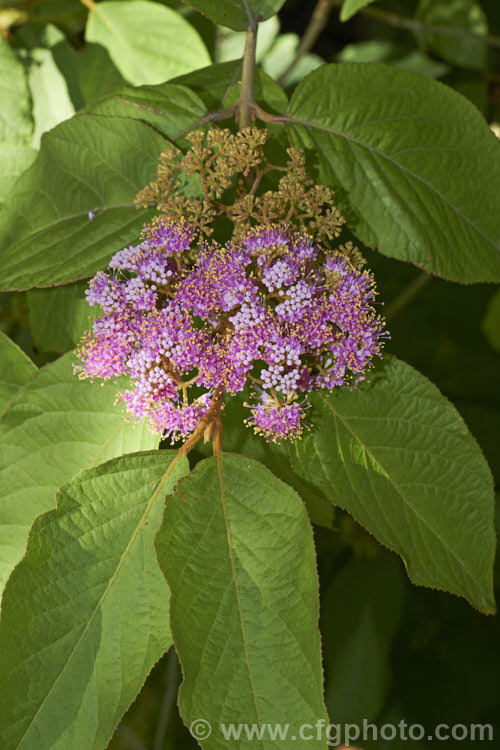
(190, 320)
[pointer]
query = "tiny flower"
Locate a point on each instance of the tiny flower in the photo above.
(274, 310)
(276, 421)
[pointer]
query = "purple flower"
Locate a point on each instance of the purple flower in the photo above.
(276, 421)
(190, 324)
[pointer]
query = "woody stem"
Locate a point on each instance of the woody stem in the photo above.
(246, 102)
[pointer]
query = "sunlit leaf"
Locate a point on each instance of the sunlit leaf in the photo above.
(88, 605)
(236, 548)
(55, 426)
(415, 163)
(396, 455)
(237, 14)
(92, 161)
(15, 369)
(16, 123)
(147, 42)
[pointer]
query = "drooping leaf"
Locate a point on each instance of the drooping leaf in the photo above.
(55, 426)
(15, 369)
(237, 551)
(16, 124)
(398, 457)
(59, 317)
(91, 161)
(88, 606)
(350, 8)
(237, 14)
(415, 162)
(359, 615)
(467, 15)
(147, 42)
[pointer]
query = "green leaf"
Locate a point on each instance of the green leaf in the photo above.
(398, 457)
(98, 75)
(237, 14)
(15, 369)
(350, 8)
(237, 550)
(91, 161)
(415, 162)
(231, 44)
(168, 109)
(147, 42)
(219, 86)
(49, 91)
(55, 426)
(16, 124)
(394, 54)
(282, 54)
(461, 14)
(359, 615)
(88, 606)
(14, 160)
(59, 317)
(238, 438)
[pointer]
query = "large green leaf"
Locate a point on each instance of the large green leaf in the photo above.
(15, 369)
(14, 159)
(86, 612)
(236, 548)
(415, 162)
(91, 161)
(55, 426)
(237, 14)
(98, 75)
(241, 439)
(147, 42)
(169, 109)
(49, 92)
(59, 317)
(359, 615)
(397, 456)
(15, 113)
(16, 124)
